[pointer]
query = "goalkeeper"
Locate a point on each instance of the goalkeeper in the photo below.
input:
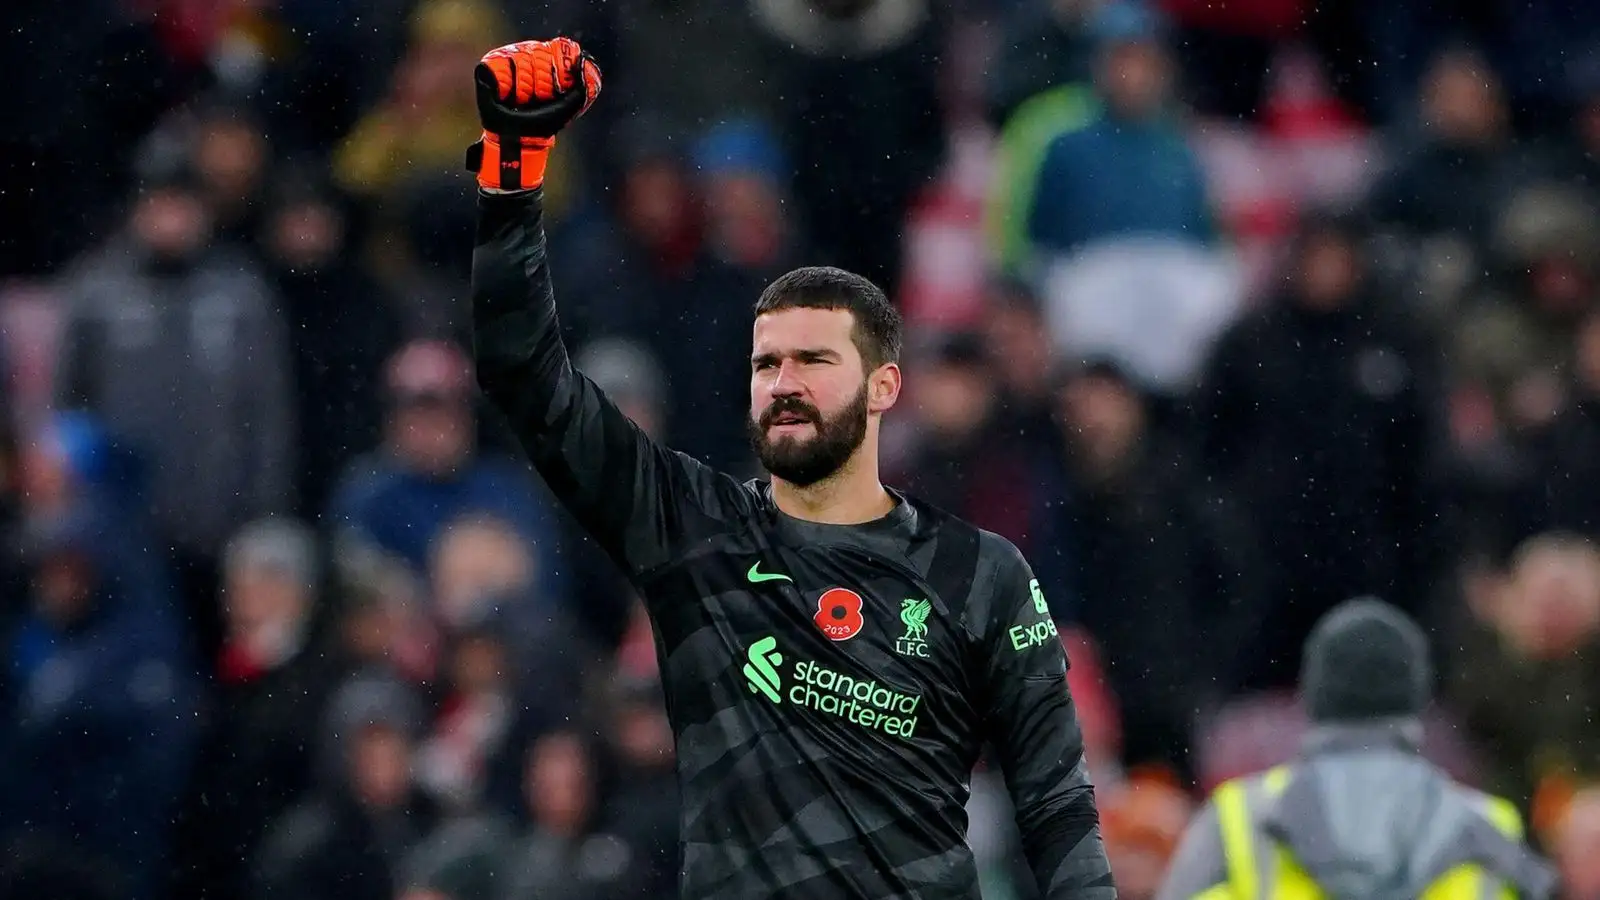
(834, 653)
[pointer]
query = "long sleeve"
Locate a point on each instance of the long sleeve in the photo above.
(1034, 729)
(640, 500)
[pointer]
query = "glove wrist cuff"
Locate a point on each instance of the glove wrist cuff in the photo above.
(513, 164)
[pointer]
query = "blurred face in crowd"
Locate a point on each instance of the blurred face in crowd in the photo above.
(1462, 102)
(1329, 271)
(46, 479)
(431, 422)
(64, 588)
(1577, 847)
(231, 157)
(559, 783)
(643, 734)
(171, 222)
(1019, 344)
(811, 400)
(746, 218)
(954, 399)
(1551, 605)
(263, 603)
(431, 431)
(1134, 77)
(428, 81)
(305, 236)
(475, 561)
(656, 201)
(380, 767)
(1104, 418)
(480, 665)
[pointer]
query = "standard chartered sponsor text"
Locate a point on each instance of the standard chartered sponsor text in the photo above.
(860, 701)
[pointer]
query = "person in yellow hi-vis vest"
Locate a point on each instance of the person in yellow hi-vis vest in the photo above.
(1360, 815)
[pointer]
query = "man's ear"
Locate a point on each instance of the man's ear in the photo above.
(883, 388)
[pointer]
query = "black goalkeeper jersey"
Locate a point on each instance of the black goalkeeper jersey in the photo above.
(830, 687)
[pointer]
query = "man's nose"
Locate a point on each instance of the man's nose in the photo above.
(788, 383)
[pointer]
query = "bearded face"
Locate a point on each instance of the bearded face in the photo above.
(800, 444)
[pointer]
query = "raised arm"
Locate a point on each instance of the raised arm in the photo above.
(639, 499)
(1033, 727)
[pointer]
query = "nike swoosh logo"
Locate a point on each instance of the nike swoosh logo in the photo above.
(757, 576)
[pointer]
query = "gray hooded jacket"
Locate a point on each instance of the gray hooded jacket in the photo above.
(1367, 818)
(193, 368)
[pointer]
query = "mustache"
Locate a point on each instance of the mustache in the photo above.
(789, 406)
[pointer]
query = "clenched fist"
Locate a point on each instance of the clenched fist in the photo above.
(527, 93)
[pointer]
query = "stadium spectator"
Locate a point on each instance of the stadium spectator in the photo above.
(1320, 413)
(1129, 169)
(1525, 676)
(259, 728)
(1561, 486)
(428, 471)
(563, 854)
(1449, 185)
(1132, 546)
(1359, 812)
(98, 732)
(175, 341)
(348, 837)
(867, 69)
(343, 326)
(956, 463)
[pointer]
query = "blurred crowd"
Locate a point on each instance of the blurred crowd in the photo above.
(1222, 312)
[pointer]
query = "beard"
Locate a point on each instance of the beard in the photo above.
(805, 461)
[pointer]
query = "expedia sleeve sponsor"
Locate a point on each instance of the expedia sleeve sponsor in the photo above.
(1038, 627)
(1024, 637)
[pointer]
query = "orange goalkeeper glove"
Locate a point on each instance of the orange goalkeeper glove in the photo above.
(527, 93)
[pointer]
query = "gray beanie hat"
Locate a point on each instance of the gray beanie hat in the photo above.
(1366, 660)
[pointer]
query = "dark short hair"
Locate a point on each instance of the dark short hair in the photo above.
(877, 331)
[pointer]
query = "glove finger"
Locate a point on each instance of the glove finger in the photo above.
(566, 52)
(543, 82)
(524, 78)
(590, 73)
(500, 69)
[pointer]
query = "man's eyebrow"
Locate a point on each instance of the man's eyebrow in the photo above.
(820, 353)
(807, 355)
